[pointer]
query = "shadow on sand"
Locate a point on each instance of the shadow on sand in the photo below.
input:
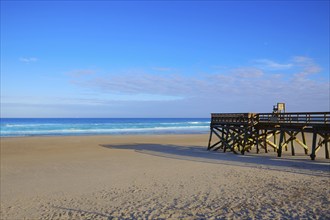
(293, 164)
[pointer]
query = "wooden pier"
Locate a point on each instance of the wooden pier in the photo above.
(241, 132)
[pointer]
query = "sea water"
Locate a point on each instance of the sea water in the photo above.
(14, 127)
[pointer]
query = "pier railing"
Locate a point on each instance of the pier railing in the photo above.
(317, 118)
(307, 118)
(232, 118)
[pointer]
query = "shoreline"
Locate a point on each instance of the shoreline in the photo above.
(155, 176)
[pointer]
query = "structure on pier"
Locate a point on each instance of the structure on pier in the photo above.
(241, 132)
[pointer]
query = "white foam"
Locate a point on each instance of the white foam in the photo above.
(105, 131)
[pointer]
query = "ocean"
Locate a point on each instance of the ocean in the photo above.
(17, 127)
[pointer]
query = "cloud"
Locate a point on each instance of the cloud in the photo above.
(28, 59)
(307, 64)
(140, 93)
(272, 65)
(162, 69)
(243, 81)
(302, 59)
(247, 72)
(81, 72)
(250, 86)
(139, 84)
(302, 64)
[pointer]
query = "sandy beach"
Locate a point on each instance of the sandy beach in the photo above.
(156, 177)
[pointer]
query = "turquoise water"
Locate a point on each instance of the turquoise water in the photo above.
(13, 127)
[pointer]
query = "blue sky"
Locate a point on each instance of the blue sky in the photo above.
(162, 58)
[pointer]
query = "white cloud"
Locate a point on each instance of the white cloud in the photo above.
(302, 64)
(307, 64)
(247, 72)
(162, 69)
(139, 84)
(139, 93)
(28, 59)
(272, 65)
(245, 85)
(244, 82)
(302, 59)
(81, 72)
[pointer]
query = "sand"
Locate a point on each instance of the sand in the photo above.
(156, 177)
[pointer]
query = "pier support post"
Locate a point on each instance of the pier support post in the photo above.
(257, 140)
(293, 136)
(326, 147)
(274, 139)
(314, 145)
(279, 150)
(211, 131)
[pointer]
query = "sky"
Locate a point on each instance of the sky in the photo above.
(163, 58)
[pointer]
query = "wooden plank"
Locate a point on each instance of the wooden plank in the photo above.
(272, 144)
(301, 144)
(293, 137)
